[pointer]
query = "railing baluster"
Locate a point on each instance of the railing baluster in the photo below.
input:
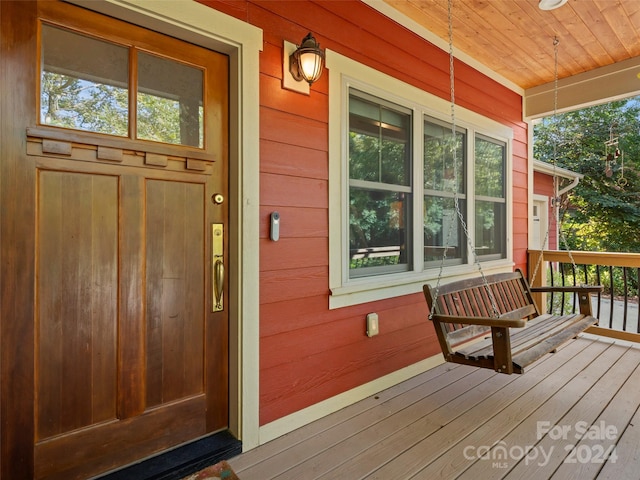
(623, 280)
(574, 296)
(598, 282)
(624, 317)
(552, 284)
(562, 295)
(611, 296)
(638, 297)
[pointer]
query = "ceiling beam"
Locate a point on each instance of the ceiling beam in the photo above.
(605, 84)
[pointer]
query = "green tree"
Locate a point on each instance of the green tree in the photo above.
(80, 104)
(603, 212)
(72, 102)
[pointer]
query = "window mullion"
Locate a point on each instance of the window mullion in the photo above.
(418, 190)
(383, 187)
(471, 195)
(133, 93)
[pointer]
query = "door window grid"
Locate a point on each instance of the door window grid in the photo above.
(86, 85)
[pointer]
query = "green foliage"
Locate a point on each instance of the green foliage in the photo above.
(74, 103)
(151, 108)
(71, 102)
(603, 212)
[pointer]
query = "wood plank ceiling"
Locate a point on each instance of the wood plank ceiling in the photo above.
(514, 38)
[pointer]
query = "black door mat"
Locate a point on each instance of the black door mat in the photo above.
(181, 461)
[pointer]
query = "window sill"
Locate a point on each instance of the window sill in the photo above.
(371, 289)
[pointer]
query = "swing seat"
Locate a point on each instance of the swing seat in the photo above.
(470, 333)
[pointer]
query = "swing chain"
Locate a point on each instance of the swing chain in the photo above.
(555, 205)
(456, 195)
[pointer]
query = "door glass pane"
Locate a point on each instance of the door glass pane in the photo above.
(170, 101)
(84, 83)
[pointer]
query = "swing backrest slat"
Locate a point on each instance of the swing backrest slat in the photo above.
(471, 298)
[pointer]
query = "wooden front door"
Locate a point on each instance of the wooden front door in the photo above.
(129, 161)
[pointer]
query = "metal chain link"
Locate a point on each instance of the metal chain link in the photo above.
(456, 196)
(556, 208)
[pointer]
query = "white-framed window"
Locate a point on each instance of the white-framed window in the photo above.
(394, 194)
(380, 186)
(442, 180)
(490, 198)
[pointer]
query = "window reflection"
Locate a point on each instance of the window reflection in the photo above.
(85, 86)
(377, 228)
(442, 180)
(84, 83)
(169, 101)
(380, 193)
(490, 204)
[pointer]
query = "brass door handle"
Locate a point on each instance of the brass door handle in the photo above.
(218, 284)
(217, 265)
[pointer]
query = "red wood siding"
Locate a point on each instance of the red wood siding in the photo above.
(543, 185)
(307, 352)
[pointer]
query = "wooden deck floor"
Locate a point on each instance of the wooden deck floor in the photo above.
(573, 414)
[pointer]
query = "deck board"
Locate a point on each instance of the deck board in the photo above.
(586, 409)
(584, 394)
(432, 425)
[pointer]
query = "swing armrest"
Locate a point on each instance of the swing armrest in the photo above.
(570, 289)
(584, 294)
(503, 321)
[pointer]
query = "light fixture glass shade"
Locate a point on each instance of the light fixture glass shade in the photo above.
(307, 61)
(310, 66)
(550, 4)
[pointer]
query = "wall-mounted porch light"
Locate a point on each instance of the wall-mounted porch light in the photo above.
(307, 61)
(302, 63)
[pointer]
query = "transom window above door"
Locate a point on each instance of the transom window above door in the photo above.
(98, 85)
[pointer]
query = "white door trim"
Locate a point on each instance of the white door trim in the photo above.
(543, 202)
(209, 28)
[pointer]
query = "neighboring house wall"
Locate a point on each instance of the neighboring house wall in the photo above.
(309, 353)
(543, 185)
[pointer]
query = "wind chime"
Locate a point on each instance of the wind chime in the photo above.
(612, 154)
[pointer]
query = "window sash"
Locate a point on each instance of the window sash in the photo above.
(380, 190)
(490, 198)
(442, 229)
(347, 76)
(437, 197)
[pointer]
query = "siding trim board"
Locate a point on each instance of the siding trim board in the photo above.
(295, 420)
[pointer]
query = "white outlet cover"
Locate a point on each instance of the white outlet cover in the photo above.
(372, 324)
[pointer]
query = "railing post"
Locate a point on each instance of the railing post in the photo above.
(540, 299)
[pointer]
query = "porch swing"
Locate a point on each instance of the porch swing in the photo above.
(492, 321)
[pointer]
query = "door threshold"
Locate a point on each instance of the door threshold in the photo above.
(181, 461)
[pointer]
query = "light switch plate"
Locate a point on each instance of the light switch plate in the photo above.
(372, 324)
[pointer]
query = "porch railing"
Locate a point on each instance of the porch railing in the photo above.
(619, 273)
